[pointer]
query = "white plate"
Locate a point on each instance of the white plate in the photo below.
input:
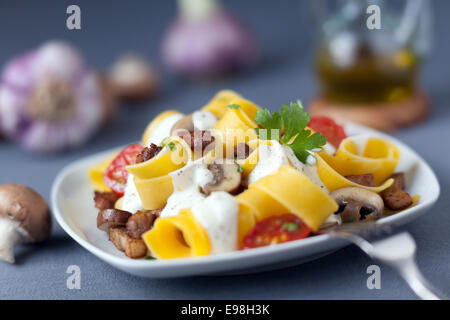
(73, 208)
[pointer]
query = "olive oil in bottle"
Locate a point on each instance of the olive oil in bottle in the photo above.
(359, 75)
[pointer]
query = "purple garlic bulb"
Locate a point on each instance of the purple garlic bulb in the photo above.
(205, 40)
(49, 99)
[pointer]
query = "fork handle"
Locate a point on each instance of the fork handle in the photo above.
(410, 272)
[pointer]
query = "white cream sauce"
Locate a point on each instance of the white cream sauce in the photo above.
(271, 158)
(218, 215)
(186, 184)
(204, 120)
(329, 148)
(131, 201)
(308, 170)
(163, 130)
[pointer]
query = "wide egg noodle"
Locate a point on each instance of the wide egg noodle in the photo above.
(288, 191)
(218, 104)
(152, 178)
(179, 236)
(379, 158)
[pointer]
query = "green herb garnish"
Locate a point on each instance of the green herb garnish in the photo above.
(289, 226)
(150, 258)
(233, 106)
(293, 120)
(240, 169)
(171, 146)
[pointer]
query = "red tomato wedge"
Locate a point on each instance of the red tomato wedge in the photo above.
(334, 132)
(286, 227)
(116, 174)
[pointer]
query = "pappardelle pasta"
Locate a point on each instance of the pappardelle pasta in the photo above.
(234, 176)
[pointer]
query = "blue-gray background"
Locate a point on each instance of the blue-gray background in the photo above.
(111, 27)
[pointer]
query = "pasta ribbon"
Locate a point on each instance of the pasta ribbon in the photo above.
(96, 174)
(180, 236)
(151, 177)
(334, 180)
(169, 159)
(218, 104)
(379, 157)
(237, 125)
(288, 191)
(154, 192)
(155, 123)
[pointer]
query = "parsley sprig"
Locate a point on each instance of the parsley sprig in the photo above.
(293, 120)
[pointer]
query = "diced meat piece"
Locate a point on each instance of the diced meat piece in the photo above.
(133, 248)
(139, 223)
(242, 151)
(394, 197)
(362, 179)
(105, 200)
(397, 199)
(112, 218)
(148, 153)
(399, 180)
(118, 236)
(198, 140)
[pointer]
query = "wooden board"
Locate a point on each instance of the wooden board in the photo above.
(381, 116)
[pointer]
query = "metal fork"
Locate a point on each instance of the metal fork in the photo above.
(397, 251)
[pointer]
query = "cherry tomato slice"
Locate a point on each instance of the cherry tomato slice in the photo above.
(115, 176)
(286, 227)
(334, 132)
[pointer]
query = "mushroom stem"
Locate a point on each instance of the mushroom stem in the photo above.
(9, 237)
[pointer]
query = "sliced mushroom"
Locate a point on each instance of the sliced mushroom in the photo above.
(183, 126)
(226, 177)
(358, 204)
(112, 218)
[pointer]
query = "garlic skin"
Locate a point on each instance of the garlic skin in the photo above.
(49, 99)
(205, 40)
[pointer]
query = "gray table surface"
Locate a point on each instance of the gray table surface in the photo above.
(283, 74)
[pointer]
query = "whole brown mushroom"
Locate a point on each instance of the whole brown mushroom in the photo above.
(24, 218)
(133, 78)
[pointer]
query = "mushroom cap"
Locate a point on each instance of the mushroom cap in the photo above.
(133, 78)
(26, 207)
(183, 125)
(358, 204)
